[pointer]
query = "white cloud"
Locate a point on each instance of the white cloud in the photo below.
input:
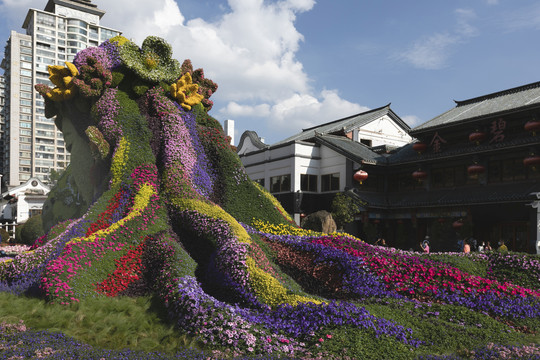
(249, 49)
(234, 110)
(412, 120)
(296, 112)
(432, 52)
(527, 17)
(464, 18)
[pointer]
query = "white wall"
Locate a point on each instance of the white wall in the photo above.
(383, 131)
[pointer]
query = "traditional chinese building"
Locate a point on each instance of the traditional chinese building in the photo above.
(306, 170)
(473, 171)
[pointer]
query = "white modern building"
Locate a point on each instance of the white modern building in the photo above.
(33, 146)
(21, 203)
(306, 170)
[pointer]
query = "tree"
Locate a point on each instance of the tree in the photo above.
(343, 209)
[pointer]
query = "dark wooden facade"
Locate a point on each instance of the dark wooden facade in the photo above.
(478, 163)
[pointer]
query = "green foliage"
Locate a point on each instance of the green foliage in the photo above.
(343, 209)
(4, 236)
(520, 269)
(54, 175)
(64, 201)
(445, 328)
(152, 62)
(204, 119)
(113, 323)
(471, 264)
(235, 192)
(117, 78)
(31, 230)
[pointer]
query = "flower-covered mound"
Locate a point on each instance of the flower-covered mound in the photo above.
(156, 203)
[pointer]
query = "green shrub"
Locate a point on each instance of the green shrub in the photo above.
(31, 230)
(4, 236)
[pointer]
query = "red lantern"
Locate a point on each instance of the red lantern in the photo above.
(419, 147)
(458, 224)
(360, 176)
(475, 170)
(532, 161)
(532, 126)
(419, 175)
(477, 137)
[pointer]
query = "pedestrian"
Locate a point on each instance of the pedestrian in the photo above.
(466, 246)
(488, 247)
(481, 246)
(425, 245)
(460, 245)
(502, 247)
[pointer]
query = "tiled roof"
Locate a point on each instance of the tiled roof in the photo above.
(502, 102)
(352, 150)
(490, 194)
(406, 153)
(346, 124)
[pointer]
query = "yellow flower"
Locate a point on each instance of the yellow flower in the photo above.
(186, 92)
(119, 161)
(62, 77)
(119, 40)
(141, 201)
(214, 211)
(269, 290)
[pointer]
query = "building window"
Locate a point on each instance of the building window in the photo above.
(330, 182)
(308, 182)
(34, 212)
(366, 142)
(280, 183)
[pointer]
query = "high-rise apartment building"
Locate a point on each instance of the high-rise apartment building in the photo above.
(33, 146)
(2, 117)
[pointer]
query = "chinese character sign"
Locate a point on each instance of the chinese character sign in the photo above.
(497, 130)
(436, 142)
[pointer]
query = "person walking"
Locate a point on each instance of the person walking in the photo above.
(466, 246)
(425, 245)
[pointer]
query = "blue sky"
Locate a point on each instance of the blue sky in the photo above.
(286, 65)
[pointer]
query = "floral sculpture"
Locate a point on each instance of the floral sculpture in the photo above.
(155, 200)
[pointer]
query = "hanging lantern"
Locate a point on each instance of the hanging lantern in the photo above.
(458, 224)
(360, 176)
(420, 175)
(532, 126)
(475, 169)
(419, 147)
(532, 160)
(477, 137)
